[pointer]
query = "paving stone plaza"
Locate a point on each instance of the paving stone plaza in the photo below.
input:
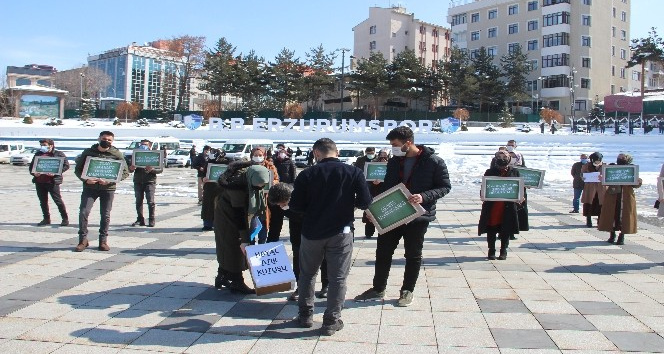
(561, 289)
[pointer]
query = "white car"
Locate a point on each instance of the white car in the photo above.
(178, 158)
(24, 157)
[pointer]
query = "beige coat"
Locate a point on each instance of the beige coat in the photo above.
(590, 189)
(628, 217)
(660, 212)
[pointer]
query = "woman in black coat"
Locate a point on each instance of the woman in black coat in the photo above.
(499, 218)
(211, 190)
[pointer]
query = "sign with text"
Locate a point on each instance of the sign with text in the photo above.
(591, 177)
(375, 171)
(620, 175)
(48, 164)
(214, 170)
(392, 209)
(270, 267)
(501, 189)
(532, 178)
(106, 169)
(143, 158)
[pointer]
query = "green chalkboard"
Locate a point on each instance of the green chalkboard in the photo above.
(106, 169)
(508, 189)
(532, 178)
(375, 171)
(620, 175)
(214, 170)
(48, 164)
(143, 158)
(391, 209)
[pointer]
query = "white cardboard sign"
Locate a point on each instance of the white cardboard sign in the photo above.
(269, 265)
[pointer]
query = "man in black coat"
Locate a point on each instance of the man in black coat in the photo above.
(577, 183)
(426, 177)
(200, 165)
(49, 183)
(145, 185)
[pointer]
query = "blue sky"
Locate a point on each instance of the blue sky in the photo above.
(63, 33)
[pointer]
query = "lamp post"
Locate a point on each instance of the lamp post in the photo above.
(82, 76)
(343, 63)
(571, 93)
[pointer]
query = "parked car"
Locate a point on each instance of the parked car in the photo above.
(9, 149)
(178, 158)
(350, 155)
(24, 157)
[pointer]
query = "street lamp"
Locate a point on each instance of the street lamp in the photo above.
(571, 92)
(343, 57)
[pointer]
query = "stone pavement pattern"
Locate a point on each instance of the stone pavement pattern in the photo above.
(562, 288)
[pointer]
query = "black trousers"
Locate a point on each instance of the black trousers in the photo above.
(295, 229)
(88, 198)
(276, 223)
(413, 241)
(144, 191)
(492, 233)
(43, 190)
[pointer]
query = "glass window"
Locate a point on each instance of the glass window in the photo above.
(555, 81)
(513, 28)
(532, 5)
(492, 32)
(587, 2)
(613, 50)
(513, 9)
(622, 73)
(532, 25)
(475, 17)
(585, 83)
(585, 41)
(534, 66)
(372, 30)
(554, 2)
(623, 54)
(512, 47)
(613, 31)
(585, 62)
(372, 45)
(613, 70)
(554, 60)
(532, 45)
(556, 18)
(458, 19)
(474, 36)
(623, 16)
(493, 14)
(585, 20)
(556, 39)
(474, 53)
(623, 35)
(492, 51)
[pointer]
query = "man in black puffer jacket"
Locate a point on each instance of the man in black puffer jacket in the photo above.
(49, 183)
(426, 177)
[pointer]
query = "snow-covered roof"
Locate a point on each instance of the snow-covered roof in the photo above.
(39, 88)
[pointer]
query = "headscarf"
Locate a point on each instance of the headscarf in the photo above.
(257, 175)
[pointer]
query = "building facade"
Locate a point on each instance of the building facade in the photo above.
(654, 77)
(30, 75)
(393, 30)
(578, 49)
(145, 74)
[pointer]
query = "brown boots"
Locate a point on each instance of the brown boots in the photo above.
(83, 244)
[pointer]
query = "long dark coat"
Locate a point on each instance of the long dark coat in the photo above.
(210, 194)
(628, 217)
(510, 223)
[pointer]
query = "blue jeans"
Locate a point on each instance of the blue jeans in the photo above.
(577, 196)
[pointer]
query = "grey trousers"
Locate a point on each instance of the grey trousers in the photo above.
(144, 191)
(337, 250)
(88, 198)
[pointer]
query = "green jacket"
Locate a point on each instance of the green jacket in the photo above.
(142, 176)
(92, 151)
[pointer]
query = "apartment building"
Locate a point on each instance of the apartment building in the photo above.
(654, 77)
(578, 49)
(393, 30)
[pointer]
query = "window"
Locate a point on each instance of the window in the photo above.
(475, 17)
(587, 2)
(532, 25)
(585, 41)
(613, 31)
(513, 28)
(372, 45)
(474, 53)
(474, 36)
(458, 19)
(623, 16)
(623, 35)
(556, 18)
(434, 33)
(423, 46)
(532, 45)
(533, 65)
(554, 2)
(493, 14)
(532, 5)
(531, 86)
(614, 12)
(585, 62)
(613, 50)
(580, 105)
(423, 30)
(556, 39)
(372, 30)
(492, 32)
(555, 81)
(585, 83)
(513, 9)
(434, 47)
(492, 51)
(622, 73)
(613, 70)
(636, 76)
(585, 20)
(554, 60)
(623, 54)
(513, 47)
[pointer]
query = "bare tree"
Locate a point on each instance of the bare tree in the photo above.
(128, 110)
(192, 48)
(92, 81)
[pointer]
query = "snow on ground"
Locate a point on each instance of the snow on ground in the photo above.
(467, 154)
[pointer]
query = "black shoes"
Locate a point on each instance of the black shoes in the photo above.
(621, 239)
(151, 222)
(44, 222)
(65, 222)
(294, 296)
(330, 329)
(492, 254)
(574, 211)
(238, 286)
(221, 281)
(589, 221)
(612, 237)
(207, 228)
(512, 237)
(305, 320)
(503, 255)
(139, 222)
(322, 294)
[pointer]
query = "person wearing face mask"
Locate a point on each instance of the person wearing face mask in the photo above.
(94, 188)
(374, 188)
(272, 217)
(48, 183)
(499, 219)
(200, 165)
(517, 160)
(369, 154)
(145, 184)
(511, 148)
(619, 208)
(577, 182)
(286, 170)
(211, 189)
(426, 177)
(593, 192)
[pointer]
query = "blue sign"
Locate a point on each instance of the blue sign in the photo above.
(449, 125)
(193, 121)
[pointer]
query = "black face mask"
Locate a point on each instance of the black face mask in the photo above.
(621, 162)
(502, 163)
(105, 144)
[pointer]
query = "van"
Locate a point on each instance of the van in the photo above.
(159, 143)
(8, 149)
(237, 149)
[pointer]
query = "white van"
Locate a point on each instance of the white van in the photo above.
(237, 149)
(168, 142)
(8, 149)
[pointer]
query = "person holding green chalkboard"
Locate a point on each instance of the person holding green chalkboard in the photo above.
(426, 177)
(145, 184)
(498, 218)
(49, 183)
(593, 192)
(619, 208)
(95, 188)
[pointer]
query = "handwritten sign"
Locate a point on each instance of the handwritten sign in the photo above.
(48, 164)
(392, 209)
(143, 158)
(591, 177)
(506, 189)
(106, 169)
(532, 178)
(620, 175)
(375, 171)
(214, 170)
(270, 267)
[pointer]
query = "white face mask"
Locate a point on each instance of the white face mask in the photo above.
(597, 163)
(210, 155)
(396, 151)
(370, 156)
(258, 159)
(284, 207)
(510, 148)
